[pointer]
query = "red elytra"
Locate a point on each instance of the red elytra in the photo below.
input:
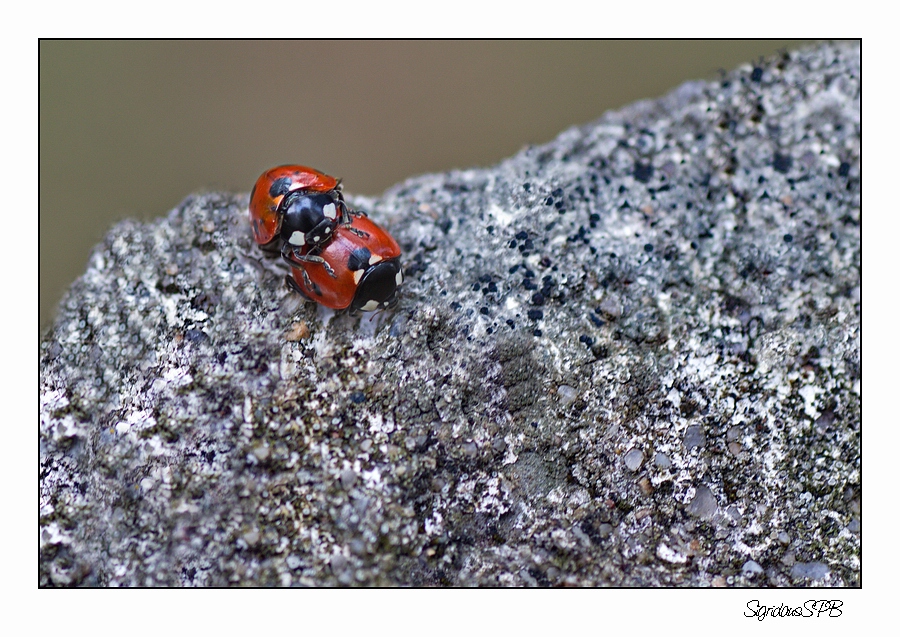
(270, 190)
(365, 265)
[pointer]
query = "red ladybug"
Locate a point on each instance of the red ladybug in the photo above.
(296, 206)
(338, 257)
(359, 268)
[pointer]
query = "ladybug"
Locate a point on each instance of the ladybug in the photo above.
(338, 256)
(296, 208)
(358, 269)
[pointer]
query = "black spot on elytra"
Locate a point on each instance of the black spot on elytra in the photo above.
(279, 187)
(359, 259)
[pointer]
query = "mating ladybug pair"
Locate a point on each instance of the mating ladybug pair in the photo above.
(338, 256)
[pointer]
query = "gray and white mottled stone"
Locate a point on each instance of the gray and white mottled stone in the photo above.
(692, 261)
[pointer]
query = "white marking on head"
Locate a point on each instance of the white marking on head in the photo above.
(297, 238)
(330, 211)
(328, 230)
(374, 259)
(357, 275)
(316, 239)
(399, 277)
(370, 306)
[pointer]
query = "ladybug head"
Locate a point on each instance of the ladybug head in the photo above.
(377, 288)
(309, 219)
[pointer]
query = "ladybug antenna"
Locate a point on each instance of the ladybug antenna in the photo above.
(377, 312)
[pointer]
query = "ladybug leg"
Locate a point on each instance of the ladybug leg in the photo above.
(346, 218)
(287, 253)
(294, 259)
(291, 255)
(310, 258)
(357, 232)
(293, 285)
(346, 213)
(289, 281)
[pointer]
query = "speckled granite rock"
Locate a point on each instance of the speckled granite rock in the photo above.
(628, 357)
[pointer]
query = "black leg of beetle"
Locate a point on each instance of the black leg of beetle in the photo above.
(289, 280)
(346, 214)
(357, 232)
(293, 258)
(297, 259)
(288, 253)
(306, 280)
(350, 212)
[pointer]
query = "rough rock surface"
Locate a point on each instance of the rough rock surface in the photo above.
(628, 357)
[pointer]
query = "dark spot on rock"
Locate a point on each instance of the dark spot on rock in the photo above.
(782, 163)
(694, 437)
(195, 336)
(643, 172)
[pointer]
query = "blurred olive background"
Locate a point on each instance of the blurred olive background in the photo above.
(129, 128)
